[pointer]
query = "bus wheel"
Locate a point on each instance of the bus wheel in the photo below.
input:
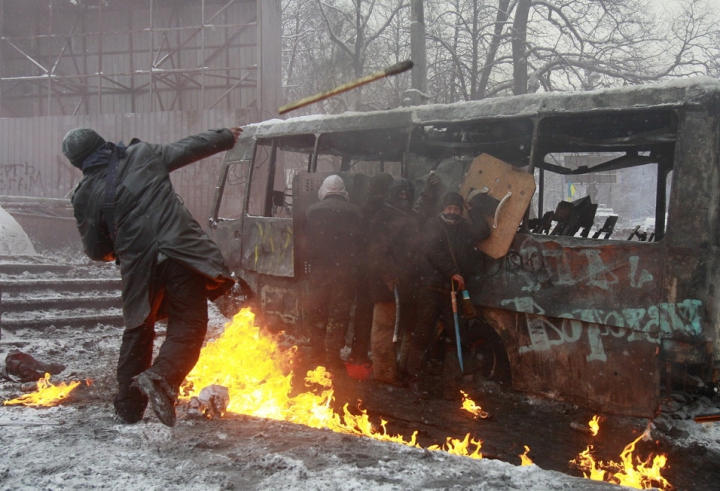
(488, 355)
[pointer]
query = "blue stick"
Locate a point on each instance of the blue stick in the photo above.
(457, 329)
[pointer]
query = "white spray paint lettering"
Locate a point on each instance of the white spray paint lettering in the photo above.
(637, 324)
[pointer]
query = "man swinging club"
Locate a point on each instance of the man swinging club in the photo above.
(127, 211)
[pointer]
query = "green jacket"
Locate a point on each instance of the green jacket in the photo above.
(150, 219)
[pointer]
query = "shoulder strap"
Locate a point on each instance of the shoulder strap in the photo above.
(108, 206)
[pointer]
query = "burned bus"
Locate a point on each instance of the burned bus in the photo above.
(606, 288)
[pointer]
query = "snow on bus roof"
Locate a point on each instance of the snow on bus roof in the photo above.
(671, 93)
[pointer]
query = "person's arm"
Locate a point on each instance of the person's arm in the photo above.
(193, 148)
(480, 227)
(96, 241)
(425, 204)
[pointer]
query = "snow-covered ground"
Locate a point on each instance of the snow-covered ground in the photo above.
(79, 446)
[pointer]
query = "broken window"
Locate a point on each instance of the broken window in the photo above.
(604, 176)
(233, 195)
(275, 165)
(257, 204)
(365, 152)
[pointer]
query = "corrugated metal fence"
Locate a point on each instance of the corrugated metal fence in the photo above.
(32, 164)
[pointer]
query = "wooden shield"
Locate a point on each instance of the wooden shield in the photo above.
(512, 187)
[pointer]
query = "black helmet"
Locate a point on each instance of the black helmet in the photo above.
(79, 144)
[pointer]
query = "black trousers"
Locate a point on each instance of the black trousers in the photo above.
(363, 320)
(332, 294)
(431, 306)
(179, 292)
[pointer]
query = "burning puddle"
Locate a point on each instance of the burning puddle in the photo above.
(47, 394)
(257, 374)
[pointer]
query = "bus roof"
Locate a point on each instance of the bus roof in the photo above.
(676, 93)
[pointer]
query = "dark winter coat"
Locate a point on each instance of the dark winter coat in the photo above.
(335, 233)
(392, 248)
(437, 265)
(150, 219)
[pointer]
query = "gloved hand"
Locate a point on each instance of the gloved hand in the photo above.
(433, 179)
(483, 202)
(390, 281)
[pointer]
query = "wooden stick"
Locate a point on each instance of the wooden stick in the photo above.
(393, 70)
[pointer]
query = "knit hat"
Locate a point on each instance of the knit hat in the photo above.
(452, 198)
(332, 185)
(79, 144)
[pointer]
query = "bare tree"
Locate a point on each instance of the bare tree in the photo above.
(484, 48)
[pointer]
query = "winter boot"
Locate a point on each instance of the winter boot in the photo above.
(130, 404)
(161, 397)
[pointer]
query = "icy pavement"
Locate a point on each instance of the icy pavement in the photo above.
(79, 446)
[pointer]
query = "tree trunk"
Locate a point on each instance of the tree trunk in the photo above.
(500, 20)
(519, 47)
(418, 51)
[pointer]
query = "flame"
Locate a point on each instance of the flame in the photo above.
(524, 459)
(47, 394)
(470, 406)
(256, 372)
(642, 475)
(594, 425)
(456, 446)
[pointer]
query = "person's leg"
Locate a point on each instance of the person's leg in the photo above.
(429, 305)
(408, 321)
(342, 297)
(363, 324)
(452, 374)
(186, 325)
(135, 357)
(317, 315)
(383, 349)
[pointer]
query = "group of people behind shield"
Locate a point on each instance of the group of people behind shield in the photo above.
(395, 261)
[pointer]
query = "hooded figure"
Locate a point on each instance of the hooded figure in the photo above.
(333, 186)
(334, 235)
(126, 210)
(447, 254)
(393, 242)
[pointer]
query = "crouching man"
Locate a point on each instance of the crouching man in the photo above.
(127, 211)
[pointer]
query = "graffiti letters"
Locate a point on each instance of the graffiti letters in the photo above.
(19, 178)
(540, 265)
(651, 324)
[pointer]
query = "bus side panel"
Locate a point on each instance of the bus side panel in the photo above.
(267, 246)
(227, 235)
(587, 364)
(595, 281)
(280, 301)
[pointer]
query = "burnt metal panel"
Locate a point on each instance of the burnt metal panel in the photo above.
(267, 246)
(584, 363)
(280, 299)
(611, 284)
